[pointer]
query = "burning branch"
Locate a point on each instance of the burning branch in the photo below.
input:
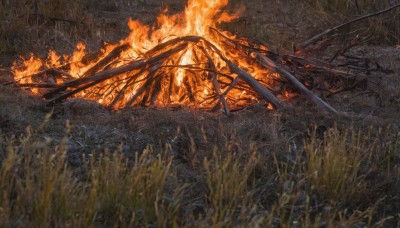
(206, 69)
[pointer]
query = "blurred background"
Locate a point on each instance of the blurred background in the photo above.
(39, 25)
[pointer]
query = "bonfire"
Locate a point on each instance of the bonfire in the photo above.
(184, 60)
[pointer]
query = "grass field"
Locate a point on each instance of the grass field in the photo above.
(80, 165)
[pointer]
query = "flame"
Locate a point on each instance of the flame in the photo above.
(76, 58)
(183, 82)
(186, 60)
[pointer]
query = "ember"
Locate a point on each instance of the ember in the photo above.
(182, 60)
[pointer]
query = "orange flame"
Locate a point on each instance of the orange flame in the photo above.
(196, 20)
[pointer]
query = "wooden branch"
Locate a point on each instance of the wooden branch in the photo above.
(55, 71)
(149, 80)
(317, 37)
(268, 63)
(244, 46)
(218, 90)
(121, 93)
(231, 85)
(258, 87)
(98, 77)
(319, 65)
(107, 59)
(175, 41)
(352, 44)
(216, 85)
(70, 93)
(253, 83)
(189, 90)
(37, 85)
(104, 75)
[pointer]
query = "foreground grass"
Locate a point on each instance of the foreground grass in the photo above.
(345, 178)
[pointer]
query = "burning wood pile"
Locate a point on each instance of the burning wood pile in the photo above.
(183, 60)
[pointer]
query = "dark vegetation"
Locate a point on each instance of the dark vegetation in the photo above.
(80, 165)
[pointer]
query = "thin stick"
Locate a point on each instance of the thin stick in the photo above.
(268, 63)
(321, 66)
(110, 57)
(127, 84)
(231, 85)
(150, 79)
(142, 89)
(189, 90)
(37, 85)
(216, 85)
(328, 31)
(234, 42)
(175, 41)
(98, 77)
(70, 93)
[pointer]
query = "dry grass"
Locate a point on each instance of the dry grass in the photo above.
(383, 29)
(29, 24)
(32, 26)
(40, 190)
(284, 23)
(326, 185)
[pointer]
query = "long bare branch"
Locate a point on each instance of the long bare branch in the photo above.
(268, 63)
(317, 37)
(253, 83)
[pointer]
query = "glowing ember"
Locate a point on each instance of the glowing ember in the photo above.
(181, 60)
